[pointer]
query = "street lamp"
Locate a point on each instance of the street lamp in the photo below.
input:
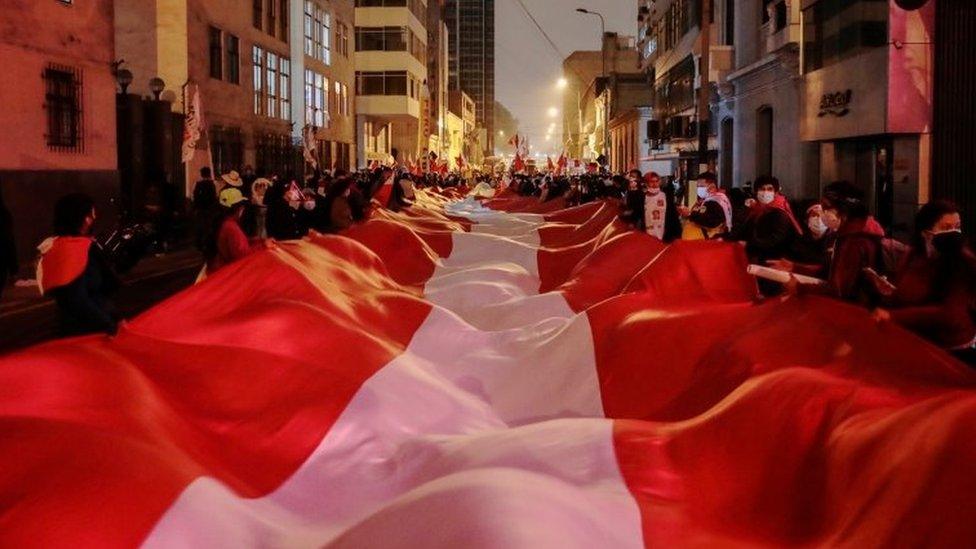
(562, 83)
(156, 86)
(124, 78)
(603, 50)
(553, 112)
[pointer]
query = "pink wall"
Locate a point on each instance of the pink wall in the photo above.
(34, 33)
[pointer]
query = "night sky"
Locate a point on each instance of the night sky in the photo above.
(527, 67)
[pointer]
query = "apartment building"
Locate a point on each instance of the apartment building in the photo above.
(471, 24)
(391, 69)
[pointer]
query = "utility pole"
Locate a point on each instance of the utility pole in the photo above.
(704, 92)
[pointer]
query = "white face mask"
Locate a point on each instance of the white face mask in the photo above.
(702, 192)
(765, 197)
(817, 226)
(831, 219)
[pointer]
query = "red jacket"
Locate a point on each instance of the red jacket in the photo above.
(857, 245)
(232, 244)
(938, 310)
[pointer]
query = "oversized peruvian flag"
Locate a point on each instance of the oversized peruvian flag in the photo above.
(493, 374)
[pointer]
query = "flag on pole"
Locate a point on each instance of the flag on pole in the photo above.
(193, 126)
(561, 164)
(518, 165)
(514, 142)
(550, 167)
(310, 145)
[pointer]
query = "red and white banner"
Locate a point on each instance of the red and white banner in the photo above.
(506, 374)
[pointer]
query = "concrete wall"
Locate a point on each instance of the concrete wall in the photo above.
(34, 35)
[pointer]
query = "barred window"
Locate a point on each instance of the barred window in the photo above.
(63, 105)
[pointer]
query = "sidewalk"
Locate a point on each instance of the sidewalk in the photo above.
(18, 299)
(27, 318)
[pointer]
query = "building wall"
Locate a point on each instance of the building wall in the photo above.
(471, 24)
(400, 115)
(33, 36)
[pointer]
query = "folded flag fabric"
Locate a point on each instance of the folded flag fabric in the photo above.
(505, 373)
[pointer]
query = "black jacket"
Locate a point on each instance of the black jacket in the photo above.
(83, 305)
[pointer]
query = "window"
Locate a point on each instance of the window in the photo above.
(233, 59)
(835, 30)
(258, 61)
(381, 83)
(216, 54)
(415, 6)
(345, 111)
(284, 72)
(337, 98)
(258, 13)
(271, 85)
(318, 33)
(316, 97)
(764, 141)
(227, 148)
(390, 39)
(342, 39)
(63, 104)
(272, 28)
(284, 17)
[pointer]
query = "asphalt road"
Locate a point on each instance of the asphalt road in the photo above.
(37, 322)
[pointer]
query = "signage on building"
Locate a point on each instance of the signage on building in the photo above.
(836, 104)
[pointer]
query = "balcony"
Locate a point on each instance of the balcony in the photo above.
(782, 29)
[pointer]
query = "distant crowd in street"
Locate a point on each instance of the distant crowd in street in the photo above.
(927, 285)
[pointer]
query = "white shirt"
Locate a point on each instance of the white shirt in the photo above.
(655, 208)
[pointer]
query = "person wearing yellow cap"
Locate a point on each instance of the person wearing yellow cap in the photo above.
(228, 242)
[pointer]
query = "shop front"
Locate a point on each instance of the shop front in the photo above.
(867, 104)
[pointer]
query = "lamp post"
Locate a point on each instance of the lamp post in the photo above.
(603, 51)
(156, 86)
(124, 78)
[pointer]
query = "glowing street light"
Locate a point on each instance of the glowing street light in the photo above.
(553, 112)
(561, 83)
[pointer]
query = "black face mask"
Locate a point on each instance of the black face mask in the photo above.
(948, 243)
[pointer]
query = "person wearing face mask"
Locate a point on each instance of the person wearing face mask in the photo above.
(711, 216)
(808, 255)
(855, 245)
(658, 214)
(934, 293)
(284, 221)
(770, 229)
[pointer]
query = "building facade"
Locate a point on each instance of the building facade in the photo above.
(59, 119)
(437, 78)
(671, 44)
(471, 28)
(867, 101)
(391, 70)
(323, 85)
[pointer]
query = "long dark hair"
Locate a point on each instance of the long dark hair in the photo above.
(846, 198)
(949, 269)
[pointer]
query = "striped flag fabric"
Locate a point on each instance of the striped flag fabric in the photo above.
(488, 374)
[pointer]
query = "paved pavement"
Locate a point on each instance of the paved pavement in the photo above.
(26, 318)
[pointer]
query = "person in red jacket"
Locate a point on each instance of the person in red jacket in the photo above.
(228, 242)
(856, 242)
(934, 293)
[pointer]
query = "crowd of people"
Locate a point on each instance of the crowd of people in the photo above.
(927, 285)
